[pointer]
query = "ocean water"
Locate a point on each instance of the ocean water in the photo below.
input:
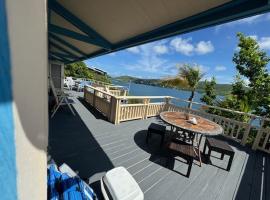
(148, 90)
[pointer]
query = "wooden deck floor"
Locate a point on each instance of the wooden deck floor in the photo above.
(92, 146)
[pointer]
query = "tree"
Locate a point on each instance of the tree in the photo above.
(187, 77)
(251, 62)
(210, 92)
(237, 100)
(80, 70)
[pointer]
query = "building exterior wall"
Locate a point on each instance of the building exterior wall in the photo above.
(8, 174)
(27, 28)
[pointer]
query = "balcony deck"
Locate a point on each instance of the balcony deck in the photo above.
(92, 146)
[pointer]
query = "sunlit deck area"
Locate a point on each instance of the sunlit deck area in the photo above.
(91, 145)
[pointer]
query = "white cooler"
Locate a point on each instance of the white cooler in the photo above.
(118, 184)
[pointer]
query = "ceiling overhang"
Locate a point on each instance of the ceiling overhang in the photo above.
(80, 29)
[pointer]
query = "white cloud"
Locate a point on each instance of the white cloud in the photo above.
(204, 47)
(220, 68)
(186, 47)
(160, 49)
(203, 68)
(183, 46)
(248, 21)
(134, 49)
(255, 37)
(149, 60)
(264, 43)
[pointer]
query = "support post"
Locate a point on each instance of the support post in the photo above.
(117, 111)
(167, 103)
(246, 133)
(114, 110)
(258, 136)
(146, 107)
(94, 98)
(85, 93)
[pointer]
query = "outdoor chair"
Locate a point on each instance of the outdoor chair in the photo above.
(156, 129)
(183, 150)
(61, 100)
(220, 147)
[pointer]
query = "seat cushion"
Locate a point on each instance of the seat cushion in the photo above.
(182, 149)
(122, 185)
(218, 144)
(157, 128)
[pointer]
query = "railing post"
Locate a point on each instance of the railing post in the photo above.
(146, 107)
(246, 133)
(85, 92)
(94, 98)
(115, 107)
(167, 103)
(258, 136)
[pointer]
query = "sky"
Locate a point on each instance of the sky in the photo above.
(211, 49)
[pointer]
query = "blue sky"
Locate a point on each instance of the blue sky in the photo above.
(211, 49)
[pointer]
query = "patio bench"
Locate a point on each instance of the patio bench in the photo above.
(220, 147)
(156, 129)
(184, 150)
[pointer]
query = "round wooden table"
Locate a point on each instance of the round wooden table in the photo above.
(203, 126)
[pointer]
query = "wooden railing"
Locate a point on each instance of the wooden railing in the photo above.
(123, 108)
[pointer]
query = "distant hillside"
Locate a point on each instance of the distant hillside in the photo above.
(125, 78)
(222, 89)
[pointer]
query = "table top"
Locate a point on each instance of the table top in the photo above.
(204, 126)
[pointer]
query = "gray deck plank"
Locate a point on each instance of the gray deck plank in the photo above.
(225, 182)
(92, 146)
(267, 178)
(258, 178)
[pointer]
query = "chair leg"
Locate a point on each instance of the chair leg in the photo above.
(230, 162)
(208, 155)
(204, 148)
(57, 107)
(222, 156)
(190, 162)
(65, 99)
(200, 157)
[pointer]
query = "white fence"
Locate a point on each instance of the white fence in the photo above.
(123, 108)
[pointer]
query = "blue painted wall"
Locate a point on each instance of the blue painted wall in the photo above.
(8, 188)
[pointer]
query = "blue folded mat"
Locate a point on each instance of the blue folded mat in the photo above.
(63, 187)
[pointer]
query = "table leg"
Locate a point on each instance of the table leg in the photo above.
(198, 142)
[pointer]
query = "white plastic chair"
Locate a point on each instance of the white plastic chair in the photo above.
(61, 100)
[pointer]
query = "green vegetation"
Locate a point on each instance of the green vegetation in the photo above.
(80, 70)
(221, 89)
(253, 97)
(210, 92)
(126, 78)
(187, 77)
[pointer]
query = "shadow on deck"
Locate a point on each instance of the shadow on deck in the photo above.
(92, 146)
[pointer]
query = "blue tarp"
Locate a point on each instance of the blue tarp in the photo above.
(63, 187)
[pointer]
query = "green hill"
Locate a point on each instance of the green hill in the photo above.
(221, 89)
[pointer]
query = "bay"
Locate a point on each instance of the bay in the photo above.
(148, 90)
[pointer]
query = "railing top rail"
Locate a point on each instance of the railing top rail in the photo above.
(224, 109)
(142, 97)
(252, 116)
(102, 91)
(86, 79)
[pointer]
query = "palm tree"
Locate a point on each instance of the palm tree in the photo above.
(188, 77)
